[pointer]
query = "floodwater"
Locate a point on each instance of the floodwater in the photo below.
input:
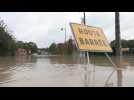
(64, 71)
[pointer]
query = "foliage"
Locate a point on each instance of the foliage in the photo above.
(7, 42)
(125, 44)
(69, 47)
(29, 46)
(53, 48)
(62, 48)
(8, 45)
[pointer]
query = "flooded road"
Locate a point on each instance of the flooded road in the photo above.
(55, 71)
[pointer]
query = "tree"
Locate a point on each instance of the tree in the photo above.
(53, 48)
(8, 45)
(62, 48)
(69, 46)
(30, 46)
(124, 43)
(19, 44)
(7, 42)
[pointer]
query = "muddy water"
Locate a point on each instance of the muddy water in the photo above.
(64, 71)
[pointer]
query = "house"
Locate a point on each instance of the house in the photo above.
(22, 52)
(61, 48)
(42, 51)
(125, 49)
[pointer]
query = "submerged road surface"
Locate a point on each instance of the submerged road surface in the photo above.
(56, 71)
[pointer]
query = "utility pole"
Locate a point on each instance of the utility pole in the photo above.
(118, 36)
(86, 55)
(118, 48)
(84, 20)
(64, 29)
(65, 34)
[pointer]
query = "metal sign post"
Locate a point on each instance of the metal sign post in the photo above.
(88, 61)
(87, 72)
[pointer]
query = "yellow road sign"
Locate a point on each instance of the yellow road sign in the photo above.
(90, 38)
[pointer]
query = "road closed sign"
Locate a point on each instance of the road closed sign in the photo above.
(90, 38)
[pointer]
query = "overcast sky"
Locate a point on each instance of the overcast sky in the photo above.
(43, 28)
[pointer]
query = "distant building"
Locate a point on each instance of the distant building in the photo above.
(29, 52)
(61, 48)
(125, 49)
(42, 51)
(61, 45)
(74, 44)
(22, 52)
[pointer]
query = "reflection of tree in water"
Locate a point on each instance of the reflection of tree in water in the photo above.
(100, 61)
(25, 59)
(7, 61)
(103, 61)
(64, 60)
(119, 64)
(10, 64)
(4, 75)
(119, 78)
(97, 60)
(6, 64)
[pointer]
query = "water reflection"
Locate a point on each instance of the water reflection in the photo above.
(10, 65)
(119, 78)
(25, 59)
(119, 82)
(120, 66)
(65, 60)
(97, 60)
(117, 67)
